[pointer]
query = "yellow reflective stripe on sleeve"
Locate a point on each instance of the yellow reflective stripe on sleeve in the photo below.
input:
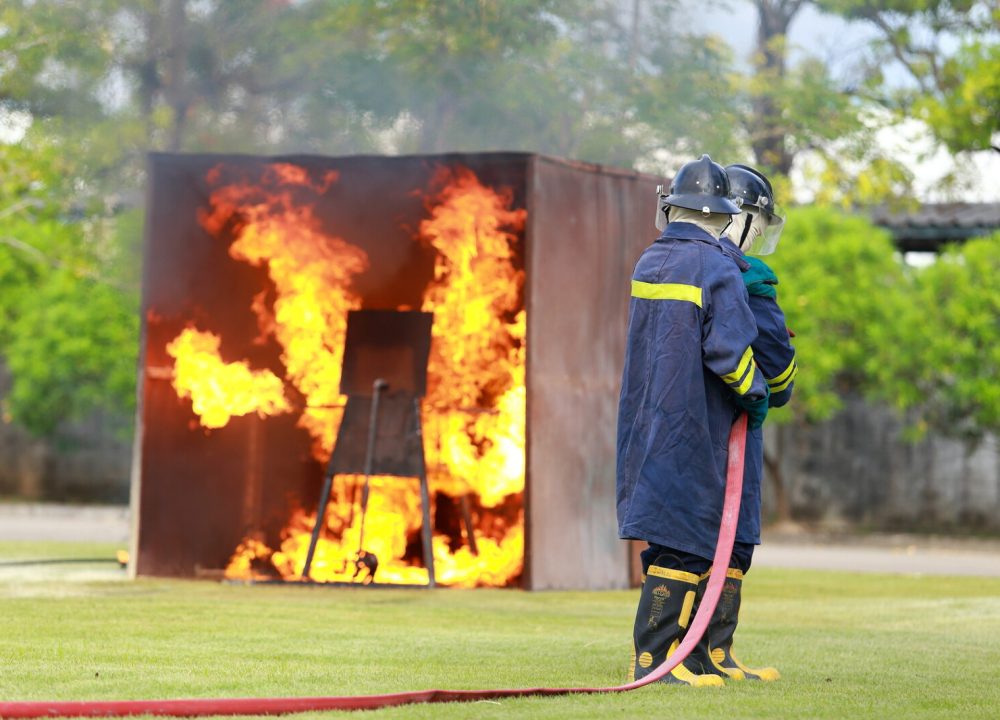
(784, 374)
(748, 380)
(666, 291)
(787, 382)
(741, 368)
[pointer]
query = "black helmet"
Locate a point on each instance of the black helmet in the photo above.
(752, 188)
(702, 185)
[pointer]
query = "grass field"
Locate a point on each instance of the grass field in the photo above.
(848, 645)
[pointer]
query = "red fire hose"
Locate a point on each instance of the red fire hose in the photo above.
(280, 706)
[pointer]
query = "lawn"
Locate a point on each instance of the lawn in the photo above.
(848, 645)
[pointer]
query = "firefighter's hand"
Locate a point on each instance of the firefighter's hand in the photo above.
(756, 411)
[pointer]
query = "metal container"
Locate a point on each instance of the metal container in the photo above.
(196, 492)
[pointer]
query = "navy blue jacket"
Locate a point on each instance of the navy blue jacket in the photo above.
(775, 357)
(687, 357)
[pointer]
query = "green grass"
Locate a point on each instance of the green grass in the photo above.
(848, 645)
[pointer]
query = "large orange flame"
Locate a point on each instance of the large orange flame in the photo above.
(475, 410)
(476, 370)
(311, 271)
(220, 390)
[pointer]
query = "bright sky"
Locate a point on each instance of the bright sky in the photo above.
(13, 125)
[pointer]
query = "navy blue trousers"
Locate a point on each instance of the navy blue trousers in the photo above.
(679, 560)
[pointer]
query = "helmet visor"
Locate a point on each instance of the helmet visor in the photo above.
(661, 209)
(768, 242)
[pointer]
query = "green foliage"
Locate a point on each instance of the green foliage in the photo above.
(942, 358)
(923, 340)
(685, 96)
(967, 115)
(68, 331)
(73, 350)
(810, 108)
(863, 178)
(32, 233)
(951, 51)
(55, 55)
(609, 81)
(840, 285)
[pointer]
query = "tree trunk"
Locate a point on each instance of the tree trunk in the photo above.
(767, 130)
(634, 37)
(176, 93)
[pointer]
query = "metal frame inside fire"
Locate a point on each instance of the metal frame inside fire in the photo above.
(251, 267)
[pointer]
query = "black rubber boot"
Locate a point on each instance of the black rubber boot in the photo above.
(714, 654)
(661, 619)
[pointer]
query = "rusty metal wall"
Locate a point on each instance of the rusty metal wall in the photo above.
(587, 226)
(195, 492)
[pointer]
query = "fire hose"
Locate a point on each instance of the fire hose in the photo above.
(283, 705)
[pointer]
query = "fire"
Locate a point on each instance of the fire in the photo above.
(476, 370)
(474, 413)
(334, 560)
(311, 272)
(220, 390)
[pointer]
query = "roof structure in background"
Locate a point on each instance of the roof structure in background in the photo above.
(927, 228)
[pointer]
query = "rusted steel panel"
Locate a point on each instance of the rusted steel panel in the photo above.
(197, 493)
(587, 227)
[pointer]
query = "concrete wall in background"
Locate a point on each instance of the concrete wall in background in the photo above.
(85, 462)
(857, 469)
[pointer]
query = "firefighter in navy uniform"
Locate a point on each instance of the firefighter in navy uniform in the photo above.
(755, 230)
(689, 371)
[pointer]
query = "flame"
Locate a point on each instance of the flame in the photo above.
(474, 414)
(387, 532)
(476, 392)
(220, 390)
(311, 272)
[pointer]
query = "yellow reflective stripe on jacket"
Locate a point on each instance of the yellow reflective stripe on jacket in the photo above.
(666, 291)
(777, 380)
(741, 368)
(747, 381)
(779, 385)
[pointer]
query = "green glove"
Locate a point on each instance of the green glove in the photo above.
(760, 279)
(756, 410)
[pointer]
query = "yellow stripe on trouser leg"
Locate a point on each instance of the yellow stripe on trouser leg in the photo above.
(665, 608)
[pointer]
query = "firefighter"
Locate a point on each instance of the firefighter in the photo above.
(755, 230)
(689, 371)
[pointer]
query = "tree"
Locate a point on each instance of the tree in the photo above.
(105, 81)
(941, 356)
(768, 134)
(841, 287)
(73, 351)
(950, 49)
(799, 115)
(68, 334)
(841, 284)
